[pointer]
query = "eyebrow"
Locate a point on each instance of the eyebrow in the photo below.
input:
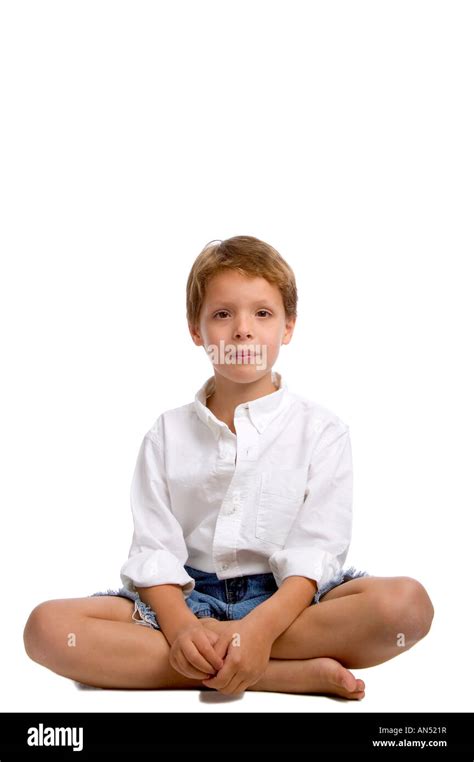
(225, 303)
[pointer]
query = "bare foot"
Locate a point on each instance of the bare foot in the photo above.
(322, 675)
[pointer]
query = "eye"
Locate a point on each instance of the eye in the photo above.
(225, 312)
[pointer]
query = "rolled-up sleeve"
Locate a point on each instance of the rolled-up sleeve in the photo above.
(319, 538)
(158, 551)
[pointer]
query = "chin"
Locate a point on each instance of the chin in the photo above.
(240, 371)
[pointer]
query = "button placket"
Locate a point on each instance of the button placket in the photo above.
(235, 501)
(247, 442)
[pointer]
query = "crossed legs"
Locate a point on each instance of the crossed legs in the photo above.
(358, 624)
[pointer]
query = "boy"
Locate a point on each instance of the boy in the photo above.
(241, 503)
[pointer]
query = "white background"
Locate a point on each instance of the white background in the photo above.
(134, 133)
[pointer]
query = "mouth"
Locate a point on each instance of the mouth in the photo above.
(245, 354)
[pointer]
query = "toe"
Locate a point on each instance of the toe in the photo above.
(348, 681)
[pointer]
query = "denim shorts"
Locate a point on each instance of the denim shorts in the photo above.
(225, 599)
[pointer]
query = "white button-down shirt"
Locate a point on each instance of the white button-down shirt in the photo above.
(274, 497)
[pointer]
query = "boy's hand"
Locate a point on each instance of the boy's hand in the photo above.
(248, 653)
(192, 652)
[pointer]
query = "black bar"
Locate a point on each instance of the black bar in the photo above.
(421, 734)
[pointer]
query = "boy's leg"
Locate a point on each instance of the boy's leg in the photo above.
(92, 640)
(361, 623)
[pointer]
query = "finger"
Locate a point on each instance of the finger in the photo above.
(214, 639)
(237, 685)
(182, 665)
(188, 670)
(208, 651)
(212, 636)
(221, 646)
(193, 656)
(223, 677)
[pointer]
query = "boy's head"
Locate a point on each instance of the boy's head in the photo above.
(241, 301)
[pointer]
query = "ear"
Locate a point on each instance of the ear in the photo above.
(195, 335)
(289, 328)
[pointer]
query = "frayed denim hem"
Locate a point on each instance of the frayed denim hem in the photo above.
(344, 575)
(145, 612)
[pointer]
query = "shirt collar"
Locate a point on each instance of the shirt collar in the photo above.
(260, 411)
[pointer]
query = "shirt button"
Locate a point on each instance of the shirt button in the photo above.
(224, 567)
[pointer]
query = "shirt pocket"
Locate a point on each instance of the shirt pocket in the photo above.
(281, 496)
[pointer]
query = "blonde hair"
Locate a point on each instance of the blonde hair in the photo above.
(250, 257)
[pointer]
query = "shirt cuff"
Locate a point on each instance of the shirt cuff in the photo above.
(155, 567)
(306, 562)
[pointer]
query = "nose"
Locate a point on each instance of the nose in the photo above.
(242, 333)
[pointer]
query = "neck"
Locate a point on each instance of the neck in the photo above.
(227, 395)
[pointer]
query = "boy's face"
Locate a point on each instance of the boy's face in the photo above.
(242, 325)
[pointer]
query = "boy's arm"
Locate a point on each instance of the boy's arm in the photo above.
(277, 613)
(168, 603)
(158, 552)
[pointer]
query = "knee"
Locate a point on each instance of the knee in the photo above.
(36, 633)
(407, 609)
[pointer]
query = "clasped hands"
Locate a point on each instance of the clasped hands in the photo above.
(227, 656)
